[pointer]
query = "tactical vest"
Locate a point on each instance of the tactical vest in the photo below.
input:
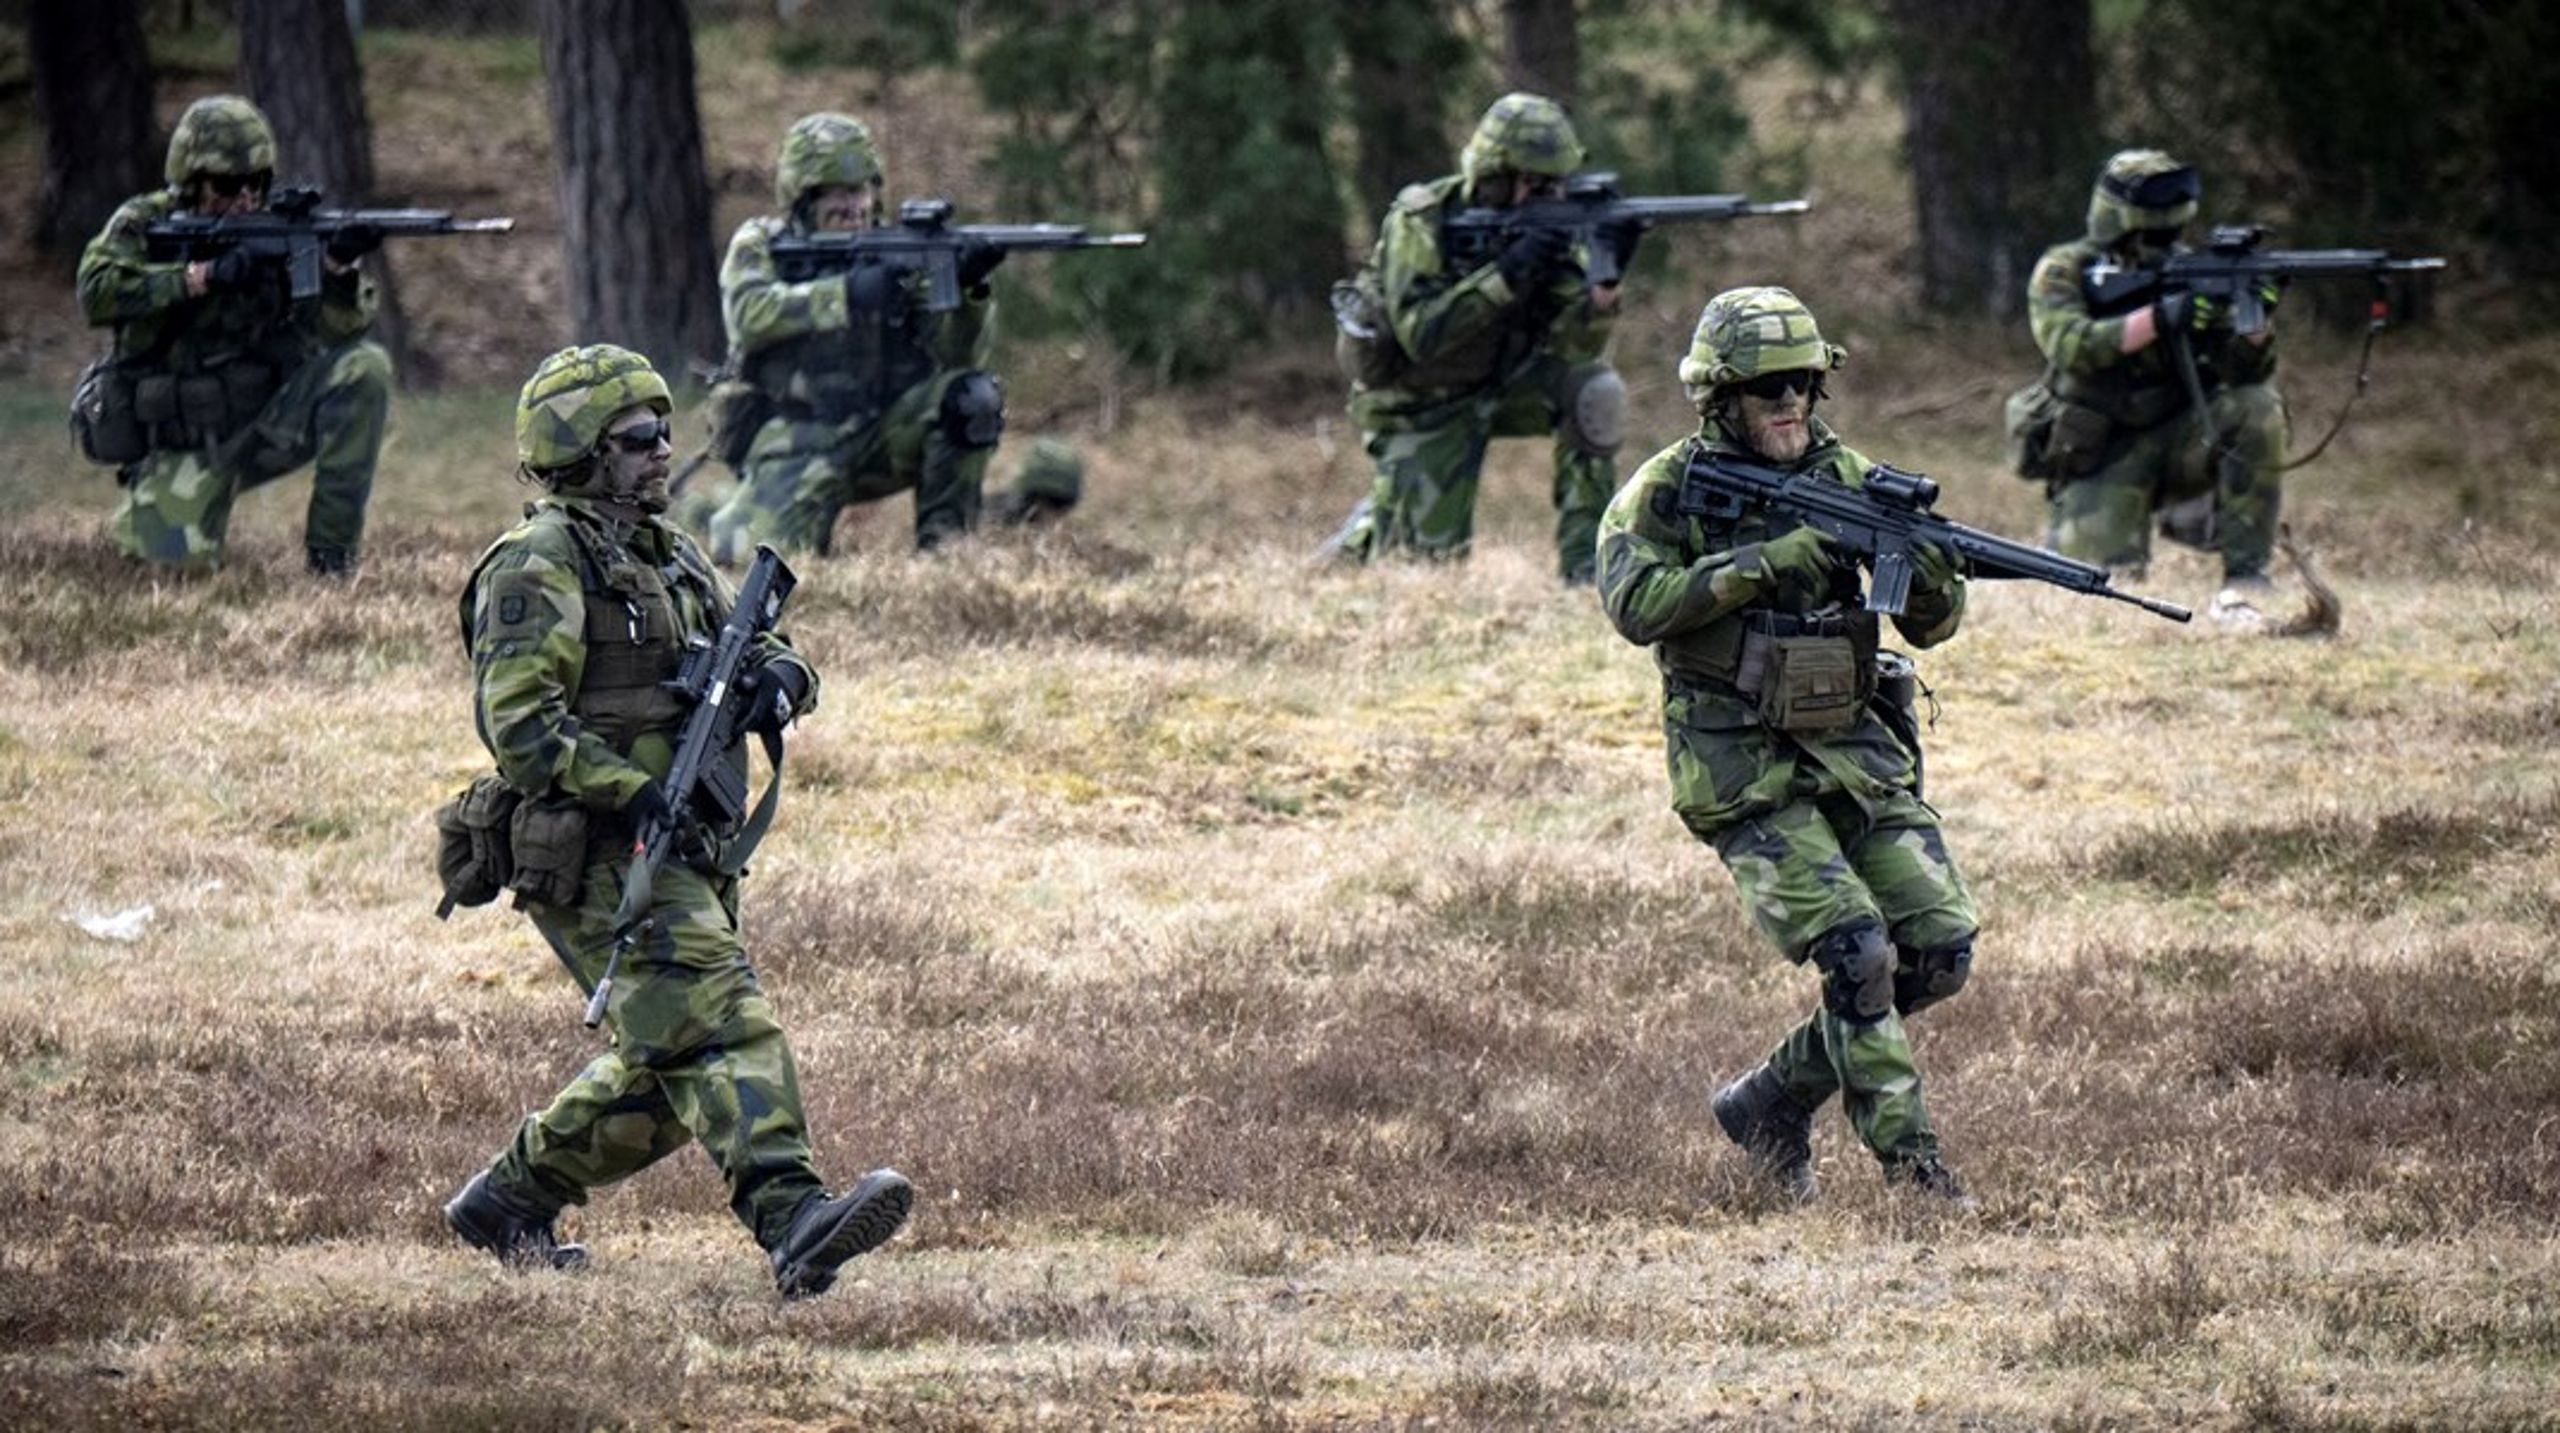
(2140, 392)
(858, 370)
(1719, 656)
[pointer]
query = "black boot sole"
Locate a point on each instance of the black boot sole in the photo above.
(875, 1210)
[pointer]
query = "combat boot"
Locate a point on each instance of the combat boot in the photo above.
(1929, 1177)
(2243, 604)
(1758, 1114)
(830, 1229)
(490, 1218)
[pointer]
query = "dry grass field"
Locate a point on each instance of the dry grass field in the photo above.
(1290, 991)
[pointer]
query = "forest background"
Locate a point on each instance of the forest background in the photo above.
(1289, 988)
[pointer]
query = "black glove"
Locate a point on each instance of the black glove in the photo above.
(648, 806)
(2197, 313)
(352, 243)
(978, 258)
(773, 694)
(1528, 261)
(235, 269)
(1622, 236)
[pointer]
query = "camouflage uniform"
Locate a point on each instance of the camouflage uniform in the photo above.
(1484, 362)
(2143, 455)
(285, 385)
(1826, 836)
(871, 394)
(575, 619)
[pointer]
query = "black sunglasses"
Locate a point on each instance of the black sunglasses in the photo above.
(1771, 387)
(232, 186)
(643, 437)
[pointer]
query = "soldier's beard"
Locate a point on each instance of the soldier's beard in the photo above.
(1779, 431)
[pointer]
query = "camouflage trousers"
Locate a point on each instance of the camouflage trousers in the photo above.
(2104, 516)
(698, 1054)
(1815, 865)
(800, 474)
(330, 413)
(1423, 497)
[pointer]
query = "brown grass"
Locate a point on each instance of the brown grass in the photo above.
(1287, 988)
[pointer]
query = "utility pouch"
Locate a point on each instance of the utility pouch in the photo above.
(738, 409)
(155, 399)
(247, 384)
(1808, 684)
(474, 859)
(1897, 705)
(2028, 417)
(2077, 440)
(549, 841)
(1364, 343)
(202, 406)
(102, 417)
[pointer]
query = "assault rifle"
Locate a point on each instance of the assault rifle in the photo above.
(1471, 237)
(2231, 267)
(294, 228)
(703, 780)
(924, 240)
(1882, 522)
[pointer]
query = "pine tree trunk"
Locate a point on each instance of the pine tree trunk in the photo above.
(93, 97)
(2000, 124)
(635, 203)
(1399, 50)
(298, 62)
(1543, 50)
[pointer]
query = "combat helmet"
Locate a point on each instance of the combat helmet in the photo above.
(822, 150)
(1521, 134)
(220, 134)
(2141, 189)
(562, 411)
(1743, 333)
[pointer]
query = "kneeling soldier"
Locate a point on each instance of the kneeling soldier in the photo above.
(1811, 800)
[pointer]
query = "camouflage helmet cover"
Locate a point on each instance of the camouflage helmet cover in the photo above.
(822, 150)
(563, 409)
(1521, 134)
(1743, 333)
(2141, 189)
(220, 134)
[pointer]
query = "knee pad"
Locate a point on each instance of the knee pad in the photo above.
(1929, 976)
(1595, 409)
(973, 410)
(1856, 962)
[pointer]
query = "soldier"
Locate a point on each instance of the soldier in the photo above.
(2123, 443)
(574, 619)
(860, 391)
(228, 383)
(1506, 344)
(1813, 806)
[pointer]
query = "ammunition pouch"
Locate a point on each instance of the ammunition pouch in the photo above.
(1809, 674)
(738, 410)
(2028, 419)
(474, 859)
(102, 416)
(1896, 703)
(548, 840)
(1364, 342)
(2076, 441)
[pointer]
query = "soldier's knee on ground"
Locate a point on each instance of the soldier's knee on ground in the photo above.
(1856, 962)
(1929, 976)
(1595, 410)
(972, 413)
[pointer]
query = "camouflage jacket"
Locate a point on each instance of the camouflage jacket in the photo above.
(1686, 585)
(572, 620)
(1465, 331)
(157, 325)
(2086, 348)
(809, 346)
